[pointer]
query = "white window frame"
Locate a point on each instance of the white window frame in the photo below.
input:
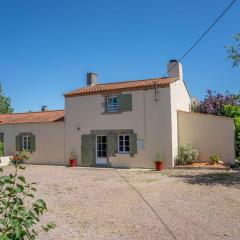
(111, 107)
(124, 143)
(27, 139)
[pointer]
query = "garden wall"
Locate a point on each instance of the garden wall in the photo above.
(208, 134)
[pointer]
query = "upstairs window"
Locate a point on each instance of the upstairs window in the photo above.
(112, 104)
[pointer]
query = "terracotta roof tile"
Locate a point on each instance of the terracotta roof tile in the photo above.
(122, 86)
(32, 117)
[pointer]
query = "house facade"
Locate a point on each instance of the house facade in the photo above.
(120, 124)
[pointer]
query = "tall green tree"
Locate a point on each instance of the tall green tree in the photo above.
(234, 51)
(5, 102)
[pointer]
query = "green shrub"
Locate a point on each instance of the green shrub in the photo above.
(19, 211)
(186, 155)
(214, 158)
(1, 149)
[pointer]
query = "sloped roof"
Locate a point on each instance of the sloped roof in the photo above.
(32, 117)
(122, 86)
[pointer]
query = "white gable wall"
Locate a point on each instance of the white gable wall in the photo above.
(180, 100)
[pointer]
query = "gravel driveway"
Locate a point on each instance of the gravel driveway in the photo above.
(91, 203)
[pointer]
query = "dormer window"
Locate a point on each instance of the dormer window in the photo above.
(112, 104)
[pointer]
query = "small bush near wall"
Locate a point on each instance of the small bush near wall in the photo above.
(214, 158)
(186, 155)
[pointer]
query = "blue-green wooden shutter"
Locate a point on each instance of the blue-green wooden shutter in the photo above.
(125, 102)
(33, 143)
(18, 142)
(133, 144)
(111, 144)
(88, 150)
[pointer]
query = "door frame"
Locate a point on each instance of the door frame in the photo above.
(101, 161)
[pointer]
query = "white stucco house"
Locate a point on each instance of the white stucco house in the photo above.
(120, 124)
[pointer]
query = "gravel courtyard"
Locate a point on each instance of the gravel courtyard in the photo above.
(94, 203)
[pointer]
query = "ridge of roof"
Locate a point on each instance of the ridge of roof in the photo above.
(122, 86)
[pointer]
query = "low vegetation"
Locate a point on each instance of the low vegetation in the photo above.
(214, 158)
(186, 155)
(19, 211)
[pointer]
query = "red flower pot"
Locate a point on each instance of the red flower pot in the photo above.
(73, 162)
(159, 166)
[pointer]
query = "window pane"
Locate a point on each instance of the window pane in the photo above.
(120, 138)
(104, 154)
(126, 149)
(104, 139)
(126, 137)
(121, 148)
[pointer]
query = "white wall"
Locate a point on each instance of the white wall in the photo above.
(180, 100)
(208, 134)
(149, 119)
(49, 141)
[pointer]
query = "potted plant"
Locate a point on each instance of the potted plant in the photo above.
(72, 160)
(159, 162)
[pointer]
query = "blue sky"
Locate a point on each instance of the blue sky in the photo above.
(48, 46)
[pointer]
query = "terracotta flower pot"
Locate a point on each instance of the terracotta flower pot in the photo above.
(72, 162)
(159, 166)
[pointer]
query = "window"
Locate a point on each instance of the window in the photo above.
(123, 143)
(101, 146)
(112, 104)
(26, 142)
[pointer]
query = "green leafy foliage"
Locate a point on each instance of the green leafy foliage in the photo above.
(1, 149)
(186, 155)
(214, 158)
(234, 51)
(20, 157)
(20, 212)
(5, 102)
(234, 112)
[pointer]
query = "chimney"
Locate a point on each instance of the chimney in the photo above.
(44, 108)
(91, 79)
(174, 69)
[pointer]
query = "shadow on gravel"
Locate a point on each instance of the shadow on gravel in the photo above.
(227, 179)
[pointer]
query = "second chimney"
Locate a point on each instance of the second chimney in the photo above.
(91, 79)
(174, 69)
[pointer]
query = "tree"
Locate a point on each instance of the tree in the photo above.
(234, 112)
(214, 103)
(5, 102)
(234, 51)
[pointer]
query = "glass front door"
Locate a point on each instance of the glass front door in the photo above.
(101, 149)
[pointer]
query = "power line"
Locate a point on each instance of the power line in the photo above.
(203, 35)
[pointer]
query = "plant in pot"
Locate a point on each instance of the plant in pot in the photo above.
(159, 162)
(73, 159)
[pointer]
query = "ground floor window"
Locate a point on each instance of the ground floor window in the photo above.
(123, 143)
(26, 142)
